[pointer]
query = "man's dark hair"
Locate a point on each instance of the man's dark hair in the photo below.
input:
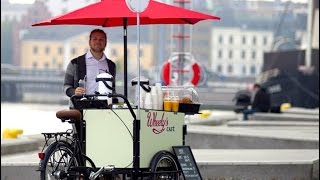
(100, 31)
(256, 85)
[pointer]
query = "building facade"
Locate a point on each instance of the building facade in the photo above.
(13, 12)
(58, 7)
(56, 53)
(239, 52)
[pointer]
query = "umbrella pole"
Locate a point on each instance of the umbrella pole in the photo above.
(125, 48)
(136, 149)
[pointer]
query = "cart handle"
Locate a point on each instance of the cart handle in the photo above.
(110, 95)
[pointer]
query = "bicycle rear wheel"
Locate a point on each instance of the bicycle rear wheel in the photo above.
(161, 164)
(59, 157)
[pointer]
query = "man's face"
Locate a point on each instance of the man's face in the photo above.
(97, 42)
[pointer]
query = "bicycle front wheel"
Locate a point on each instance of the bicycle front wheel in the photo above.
(58, 159)
(162, 165)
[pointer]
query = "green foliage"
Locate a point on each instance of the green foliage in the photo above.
(6, 42)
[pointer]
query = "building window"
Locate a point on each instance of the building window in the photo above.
(253, 55)
(243, 40)
(54, 61)
(243, 54)
(230, 39)
(59, 66)
(34, 64)
(46, 65)
(141, 52)
(220, 54)
(35, 50)
(244, 70)
(60, 50)
(219, 69)
(47, 50)
(265, 41)
(230, 54)
(254, 40)
(230, 69)
(220, 39)
(73, 51)
(253, 70)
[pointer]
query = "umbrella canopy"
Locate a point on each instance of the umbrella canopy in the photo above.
(112, 13)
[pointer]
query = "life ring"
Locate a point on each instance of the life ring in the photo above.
(167, 72)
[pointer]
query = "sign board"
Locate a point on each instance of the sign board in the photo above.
(187, 162)
(137, 5)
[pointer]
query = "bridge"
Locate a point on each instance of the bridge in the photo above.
(16, 81)
(29, 85)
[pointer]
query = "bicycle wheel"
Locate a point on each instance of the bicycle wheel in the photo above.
(161, 163)
(59, 157)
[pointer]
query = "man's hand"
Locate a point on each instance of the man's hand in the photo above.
(79, 91)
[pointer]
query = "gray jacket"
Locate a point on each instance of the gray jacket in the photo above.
(76, 70)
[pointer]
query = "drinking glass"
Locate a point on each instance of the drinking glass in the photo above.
(167, 103)
(175, 103)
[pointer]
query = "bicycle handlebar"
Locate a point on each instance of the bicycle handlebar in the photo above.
(111, 95)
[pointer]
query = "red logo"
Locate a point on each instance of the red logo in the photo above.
(157, 125)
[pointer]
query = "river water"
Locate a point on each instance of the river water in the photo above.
(32, 118)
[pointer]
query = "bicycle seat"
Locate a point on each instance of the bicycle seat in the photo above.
(72, 114)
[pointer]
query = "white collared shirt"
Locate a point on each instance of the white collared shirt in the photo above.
(93, 68)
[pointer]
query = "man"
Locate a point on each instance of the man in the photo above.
(261, 102)
(88, 66)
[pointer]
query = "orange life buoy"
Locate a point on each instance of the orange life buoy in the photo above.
(167, 70)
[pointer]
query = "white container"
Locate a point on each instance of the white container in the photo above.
(148, 101)
(160, 96)
(141, 101)
(154, 96)
(144, 88)
(155, 104)
(142, 97)
(103, 89)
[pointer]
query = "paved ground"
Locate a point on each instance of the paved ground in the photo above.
(214, 163)
(278, 124)
(19, 156)
(209, 157)
(309, 134)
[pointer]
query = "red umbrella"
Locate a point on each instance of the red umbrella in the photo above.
(111, 13)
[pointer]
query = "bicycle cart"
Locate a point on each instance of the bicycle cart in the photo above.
(115, 143)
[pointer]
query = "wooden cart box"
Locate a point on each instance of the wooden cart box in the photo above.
(109, 141)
